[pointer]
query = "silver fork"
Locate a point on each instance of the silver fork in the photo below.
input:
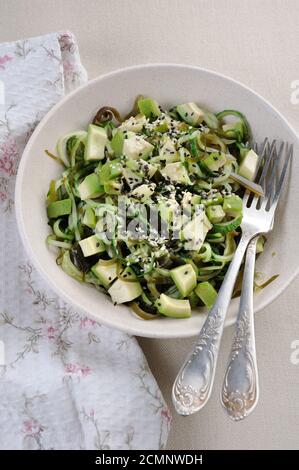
(193, 384)
(240, 389)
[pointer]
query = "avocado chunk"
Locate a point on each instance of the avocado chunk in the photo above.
(91, 246)
(117, 143)
(132, 178)
(184, 278)
(191, 113)
(59, 208)
(105, 272)
(113, 187)
(134, 123)
(232, 205)
(89, 218)
(206, 293)
(168, 152)
(90, 187)
(248, 166)
(214, 161)
(195, 231)
(149, 107)
(176, 172)
(215, 214)
(168, 209)
(136, 147)
(96, 143)
(124, 291)
(144, 191)
(175, 308)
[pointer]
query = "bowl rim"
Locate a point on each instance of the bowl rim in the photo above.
(25, 155)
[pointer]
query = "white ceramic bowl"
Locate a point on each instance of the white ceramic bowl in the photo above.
(169, 84)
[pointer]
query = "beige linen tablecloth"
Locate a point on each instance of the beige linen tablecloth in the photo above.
(256, 42)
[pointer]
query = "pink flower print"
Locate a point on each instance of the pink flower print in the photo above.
(32, 427)
(3, 196)
(66, 41)
(165, 413)
(68, 69)
(3, 60)
(77, 369)
(87, 322)
(8, 157)
(51, 332)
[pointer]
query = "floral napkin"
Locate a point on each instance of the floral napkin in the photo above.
(66, 382)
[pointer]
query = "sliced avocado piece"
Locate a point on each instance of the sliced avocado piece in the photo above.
(146, 168)
(128, 274)
(175, 308)
(195, 231)
(142, 167)
(89, 218)
(176, 172)
(168, 152)
(248, 166)
(144, 191)
(59, 208)
(96, 143)
(232, 205)
(207, 293)
(190, 113)
(148, 107)
(162, 127)
(105, 272)
(168, 209)
(132, 178)
(214, 161)
(124, 291)
(195, 200)
(90, 187)
(215, 214)
(117, 143)
(194, 168)
(184, 278)
(113, 187)
(62, 145)
(109, 170)
(134, 123)
(91, 246)
(136, 147)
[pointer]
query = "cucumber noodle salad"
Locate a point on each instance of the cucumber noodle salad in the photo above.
(148, 208)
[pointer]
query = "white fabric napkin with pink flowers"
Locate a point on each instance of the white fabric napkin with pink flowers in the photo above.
(66, 382)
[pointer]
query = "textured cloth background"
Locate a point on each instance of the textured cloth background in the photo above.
(66, 382)
(256, 42)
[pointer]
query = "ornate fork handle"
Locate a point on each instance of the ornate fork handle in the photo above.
(193, 385)
(240, 387)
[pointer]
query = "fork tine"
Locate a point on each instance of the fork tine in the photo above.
(289, 152)
(273, 176)
(268, 158)
(268, 151)
(264, 147)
